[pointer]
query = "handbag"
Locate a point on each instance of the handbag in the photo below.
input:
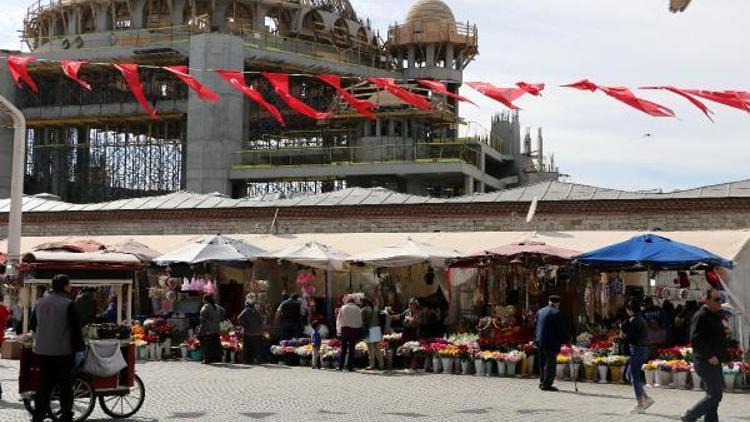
(103, 358)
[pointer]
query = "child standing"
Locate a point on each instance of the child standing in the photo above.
(316, 343)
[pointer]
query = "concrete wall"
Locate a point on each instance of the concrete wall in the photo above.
(7, 90)
(215, 129)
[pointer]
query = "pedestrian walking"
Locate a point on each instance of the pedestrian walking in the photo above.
(349, 328)
(372, 333)
(549, 338)
(4, 318)
(316, 341)
(251, 321)
(58, 343)
(709, 350)
(635, 334)
(210, 318)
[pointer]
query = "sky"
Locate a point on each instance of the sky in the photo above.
(595, 139)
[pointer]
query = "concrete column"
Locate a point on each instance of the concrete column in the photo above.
(400, 58)
(7, 90)
(449, 56)
(430, 55)
(178, 12)
(219, 18)
(468, 185)
(366, 129)
(378, 127)
(102, 20)
(139, 8)
(411, 56)
(214, 128)
(260, 17)
(391, 128)
(73, 18)
(51, 30)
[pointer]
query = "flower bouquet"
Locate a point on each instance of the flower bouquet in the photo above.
(649, 368)
(680, 371)
(670, 353)
(601, 365)
(730, 371)
(393, 340)
(663, 374)
(563, 362)
(527, 366)
(447, 354)
(589, 365)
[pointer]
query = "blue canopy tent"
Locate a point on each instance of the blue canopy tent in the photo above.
(649, 251)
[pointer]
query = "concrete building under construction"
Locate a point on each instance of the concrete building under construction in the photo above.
(89, 146)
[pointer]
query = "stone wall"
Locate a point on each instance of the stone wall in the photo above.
(672, 215)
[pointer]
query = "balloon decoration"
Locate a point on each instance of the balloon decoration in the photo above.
(19, 72)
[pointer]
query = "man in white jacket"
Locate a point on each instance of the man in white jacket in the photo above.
(349, 328)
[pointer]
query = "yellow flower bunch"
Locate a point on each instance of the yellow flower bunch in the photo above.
(489, 355)
(650, 365)
(563, 359)
(599, 360)
(449, 351)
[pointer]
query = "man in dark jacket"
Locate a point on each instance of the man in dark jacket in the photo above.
(550, 336)
(289, 315)
(709, 351)
(86, 306)
(59, 344)
(251, 322)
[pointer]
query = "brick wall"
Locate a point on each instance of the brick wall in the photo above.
(641, 215)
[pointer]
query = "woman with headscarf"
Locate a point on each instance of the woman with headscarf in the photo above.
(210, 318)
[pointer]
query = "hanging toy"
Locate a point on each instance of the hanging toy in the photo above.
(713, 278)
(185, 285)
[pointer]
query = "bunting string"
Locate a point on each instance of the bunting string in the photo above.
(18, 67)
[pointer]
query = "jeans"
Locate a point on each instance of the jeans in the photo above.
(55, 370)
(638, 355)
(547, 367)
(251, 352)
(349, 338)
(708, 407)
(316, 357)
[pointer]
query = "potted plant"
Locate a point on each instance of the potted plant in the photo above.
(730, 375)
(447, 354)
(488, 360)
(563, 361)
(502, 367)
(680, 371)
(615, 364)
(663, 375)
(649, 368)
(602, 368)
(589, 366)
(527, 365)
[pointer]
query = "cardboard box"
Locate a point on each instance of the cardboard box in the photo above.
(11, 349)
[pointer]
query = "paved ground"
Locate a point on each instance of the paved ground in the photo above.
(182, 391)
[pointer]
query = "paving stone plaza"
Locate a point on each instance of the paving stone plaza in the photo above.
(182, 391)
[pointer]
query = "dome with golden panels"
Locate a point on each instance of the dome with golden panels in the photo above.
(432, 10)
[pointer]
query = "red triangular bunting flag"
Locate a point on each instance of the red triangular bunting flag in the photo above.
(70, 68)
(389, 85)
(237, 80)
(626, 96)
(728, 98)
(504, 96)
(687, 96)
(363, 107)
(204, 93)
(280, 83)
(130, 73)
(440, 88)
(533, 89)
(18, 68)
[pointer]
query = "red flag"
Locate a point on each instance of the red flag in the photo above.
(687, 96)
(130, 72)
(533, 89)
(18, 68)
(237, 80)
(626, 96)
(70, 69)
(505, 96)
(440, 88)
(280, 83)
(389, 85)
(728, 98)
(584, 85)
(204, 93)
(363, 107)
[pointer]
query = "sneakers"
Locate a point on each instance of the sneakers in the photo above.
(648, 402)
(637, 410)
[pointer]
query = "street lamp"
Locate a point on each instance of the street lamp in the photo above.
(16, 185)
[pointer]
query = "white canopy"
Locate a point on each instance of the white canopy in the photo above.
(311, 254)
(217, 249)
(405, 253)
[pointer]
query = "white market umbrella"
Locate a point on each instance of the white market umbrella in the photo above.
(215, 249)
(311, 254)
(406, 253)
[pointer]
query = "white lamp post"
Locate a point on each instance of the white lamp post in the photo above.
(16, 184)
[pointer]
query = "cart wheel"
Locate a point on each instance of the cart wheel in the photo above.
(127, 405)
(29, 405)
(84, 400)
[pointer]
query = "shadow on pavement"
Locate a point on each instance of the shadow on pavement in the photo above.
(653, 415)
(482, 411)
(257, 415)
(331, 412)
(407, 414)
(187, 415)
(603, 396)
